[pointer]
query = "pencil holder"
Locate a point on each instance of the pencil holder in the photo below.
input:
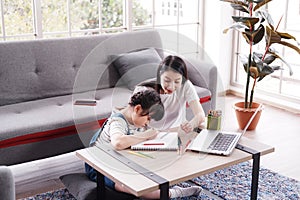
(214, 120)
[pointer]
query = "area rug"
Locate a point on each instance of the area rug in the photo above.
(230, 183)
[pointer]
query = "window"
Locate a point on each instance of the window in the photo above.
(64, 18)
(279, 84)
(142, 11)
(55, 18)
(84, 15)
(36, 19)
(17, 21)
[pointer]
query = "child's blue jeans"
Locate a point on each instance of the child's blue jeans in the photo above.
(92, 174)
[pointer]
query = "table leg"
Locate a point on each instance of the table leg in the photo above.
(255, 169)
(100, 186)
(164, 191)
(255, 176)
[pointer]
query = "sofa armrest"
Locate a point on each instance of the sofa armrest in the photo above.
(7, 184)
(203, 74)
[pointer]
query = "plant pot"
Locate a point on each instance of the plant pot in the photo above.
(243, 115)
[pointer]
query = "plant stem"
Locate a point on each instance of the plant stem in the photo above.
(252, 92)
(246, 105)
(248, 78)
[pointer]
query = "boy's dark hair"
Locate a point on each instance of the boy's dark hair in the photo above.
(150, 102)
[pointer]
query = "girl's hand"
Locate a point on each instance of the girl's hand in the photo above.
(186, 127)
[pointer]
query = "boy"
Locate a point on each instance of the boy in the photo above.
(119, 130)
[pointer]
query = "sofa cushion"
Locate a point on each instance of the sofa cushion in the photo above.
(137, 66)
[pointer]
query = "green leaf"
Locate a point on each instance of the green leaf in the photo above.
(240, 8)
(265, 15)
(269, 59)
(242, 3)
(259, 55)
(271, 36)
(258, 34)
(286, 35)
(248, 21)
(255, 1)
(260, 3)
(289, 45)
(273, 53)
(235, 26)
(243, 59)
(267, 70)
(247, 36)
(257, 62)
(275, 37)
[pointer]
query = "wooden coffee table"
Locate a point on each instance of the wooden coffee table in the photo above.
(141, 175)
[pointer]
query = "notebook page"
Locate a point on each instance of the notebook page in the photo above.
(167, 141)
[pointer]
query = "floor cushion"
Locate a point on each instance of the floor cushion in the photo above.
(82, 188)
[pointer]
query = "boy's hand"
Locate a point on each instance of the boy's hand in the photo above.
(150, 133)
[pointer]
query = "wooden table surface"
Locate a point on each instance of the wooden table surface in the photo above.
(167, 164)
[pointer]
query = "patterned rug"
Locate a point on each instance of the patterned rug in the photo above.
(230, 183)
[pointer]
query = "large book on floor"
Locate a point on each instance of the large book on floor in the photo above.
(165, 141)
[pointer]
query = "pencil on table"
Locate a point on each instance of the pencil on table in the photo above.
(144, 154)
(137, 154)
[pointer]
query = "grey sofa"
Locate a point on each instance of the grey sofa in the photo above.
(7, 184)
(41, 79)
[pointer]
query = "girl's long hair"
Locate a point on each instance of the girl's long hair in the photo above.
(171, 62)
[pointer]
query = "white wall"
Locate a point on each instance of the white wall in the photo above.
(216, 44)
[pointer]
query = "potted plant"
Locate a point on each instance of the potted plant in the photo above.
(256, 26)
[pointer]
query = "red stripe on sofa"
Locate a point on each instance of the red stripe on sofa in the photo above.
(51, 134)
(205, 99)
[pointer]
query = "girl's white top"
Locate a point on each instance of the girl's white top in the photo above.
(175, 106)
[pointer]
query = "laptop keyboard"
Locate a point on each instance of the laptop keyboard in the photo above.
(222, 142)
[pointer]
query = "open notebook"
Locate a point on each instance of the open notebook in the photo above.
(167, 141)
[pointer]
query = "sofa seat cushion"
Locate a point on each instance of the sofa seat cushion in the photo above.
(57, 117)
(52, 117)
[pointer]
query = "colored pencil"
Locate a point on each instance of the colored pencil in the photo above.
(147, 155)
(137, 154)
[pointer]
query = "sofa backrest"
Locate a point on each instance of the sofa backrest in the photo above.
(37, 69)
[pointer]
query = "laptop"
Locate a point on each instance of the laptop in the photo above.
(218, 142)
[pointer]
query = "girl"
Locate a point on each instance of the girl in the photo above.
(175, 91)
(120, 131)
